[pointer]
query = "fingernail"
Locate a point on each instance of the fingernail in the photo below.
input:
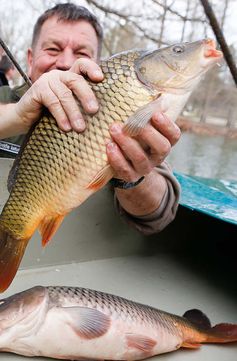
(92, 105)
(115, 129)
(98, 74)
(66, 126)
(111, 147)
(160, 117)
(79, 124)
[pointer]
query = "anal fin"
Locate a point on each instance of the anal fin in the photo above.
(191, 345)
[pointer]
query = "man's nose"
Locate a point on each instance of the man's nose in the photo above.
(65, 59)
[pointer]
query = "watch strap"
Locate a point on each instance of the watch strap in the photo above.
(119, 183)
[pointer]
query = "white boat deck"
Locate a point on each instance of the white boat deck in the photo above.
(89, 251)
(157, 280)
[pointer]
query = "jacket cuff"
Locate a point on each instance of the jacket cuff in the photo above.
(164, 214)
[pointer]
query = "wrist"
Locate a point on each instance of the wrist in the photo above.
(146, 197)
(11, 122)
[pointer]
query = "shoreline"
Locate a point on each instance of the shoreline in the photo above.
(187, 125)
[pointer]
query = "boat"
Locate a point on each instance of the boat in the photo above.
(190, 264)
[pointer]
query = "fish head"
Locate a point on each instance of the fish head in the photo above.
(177, 68)
(16, 308)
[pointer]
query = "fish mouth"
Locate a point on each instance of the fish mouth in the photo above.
(210, 50)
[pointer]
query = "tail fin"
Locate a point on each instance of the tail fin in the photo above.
(11, 253)
(221, 333)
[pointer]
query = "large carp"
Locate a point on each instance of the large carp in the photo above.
(82, 324)
(56, 171)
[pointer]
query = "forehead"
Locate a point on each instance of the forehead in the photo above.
(74, 33)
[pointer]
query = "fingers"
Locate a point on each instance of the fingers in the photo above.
(89, 68)
(83, 92)
(132, 158)
(132, 150)
(158, 146)
(61, 91)
(64, 106)
(166, 127)
(122, 167)
(51, 92)
(56, 89)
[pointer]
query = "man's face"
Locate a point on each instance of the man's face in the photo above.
(60, 44)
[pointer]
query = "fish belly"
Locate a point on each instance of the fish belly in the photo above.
(123, 341)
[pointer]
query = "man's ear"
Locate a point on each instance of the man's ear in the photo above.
(29, 61)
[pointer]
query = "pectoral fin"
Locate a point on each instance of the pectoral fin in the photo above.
(141, 117)
(86, 322)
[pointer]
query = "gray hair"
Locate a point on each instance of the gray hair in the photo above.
(69, 12)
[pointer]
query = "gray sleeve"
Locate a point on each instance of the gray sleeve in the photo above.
(161, 217)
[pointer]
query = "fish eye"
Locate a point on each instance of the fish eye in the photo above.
(178, 49)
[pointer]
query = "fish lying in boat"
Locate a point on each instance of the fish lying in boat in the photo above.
(56, 171)
(82, 324)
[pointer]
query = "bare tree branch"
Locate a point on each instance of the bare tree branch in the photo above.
(127, 18)
(224, 13)
(220, 38)
(162, 26)
(185, 21)
(182, 17)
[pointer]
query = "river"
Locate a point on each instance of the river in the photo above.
(205, 156)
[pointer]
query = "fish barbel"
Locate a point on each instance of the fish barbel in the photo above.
(56, 171)
(78, 324)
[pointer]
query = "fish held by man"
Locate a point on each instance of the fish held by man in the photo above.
(55, 171)
(77, 324)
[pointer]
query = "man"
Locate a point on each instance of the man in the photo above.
(66, 45)
(6, 70)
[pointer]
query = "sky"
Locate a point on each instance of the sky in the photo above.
(30, 9)
(23, 14)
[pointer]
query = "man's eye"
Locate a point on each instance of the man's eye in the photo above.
(82, 55)
(53, 50)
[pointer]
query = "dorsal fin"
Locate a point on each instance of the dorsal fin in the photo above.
(198, 318)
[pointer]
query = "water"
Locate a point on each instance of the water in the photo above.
(205, 156)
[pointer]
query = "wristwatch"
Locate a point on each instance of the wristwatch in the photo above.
(119, 183)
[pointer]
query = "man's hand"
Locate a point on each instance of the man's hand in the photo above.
(132, 158)
(55, 90)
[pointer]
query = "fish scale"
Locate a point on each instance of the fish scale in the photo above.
(113, 305)
(51, 154)
(56, 171)
(78, 323)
